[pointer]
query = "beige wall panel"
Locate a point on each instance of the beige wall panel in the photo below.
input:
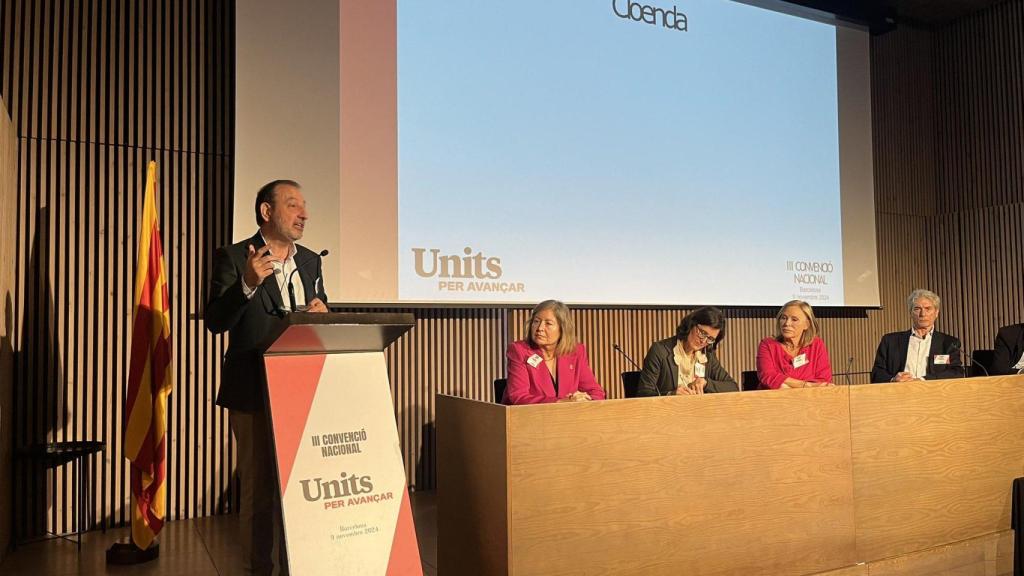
(472, 469)
(933, 461)
(652, 485)
(8, 198)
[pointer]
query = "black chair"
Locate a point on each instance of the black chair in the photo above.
(499, 389)
(630, 383)
(987, 360)
(1017, 523)
(749, 381)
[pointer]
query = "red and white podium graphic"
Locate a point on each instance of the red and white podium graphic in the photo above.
(343, 487)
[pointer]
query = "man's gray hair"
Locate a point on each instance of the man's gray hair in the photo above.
(926, 294)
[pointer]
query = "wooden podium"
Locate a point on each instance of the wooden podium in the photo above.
(339, 463)
(910, 478)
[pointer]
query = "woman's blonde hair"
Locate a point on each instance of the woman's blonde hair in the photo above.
(567, 340)
(813, 330)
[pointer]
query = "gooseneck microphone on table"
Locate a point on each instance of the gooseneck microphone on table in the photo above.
(978, 364)
(849, 366)
(626, 356)
(635, 365)
(958, 349)
(291, 287)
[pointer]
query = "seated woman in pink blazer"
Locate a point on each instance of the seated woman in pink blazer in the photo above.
(795, 357)
(549, 365)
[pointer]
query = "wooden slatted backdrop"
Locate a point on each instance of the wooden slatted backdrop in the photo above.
(96, 88)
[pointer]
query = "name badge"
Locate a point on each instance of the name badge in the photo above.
(698, 370)
(799, 360)
(534, 360)
(941, 359)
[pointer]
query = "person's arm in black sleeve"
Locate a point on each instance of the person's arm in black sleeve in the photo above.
(718, 378)
(649, 374)
(880, 371)
(1001, 361)
(227, 299)
(955, 368)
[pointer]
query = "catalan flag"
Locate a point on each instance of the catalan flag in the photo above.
(149, 379)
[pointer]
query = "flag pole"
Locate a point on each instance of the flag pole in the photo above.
(149, 384)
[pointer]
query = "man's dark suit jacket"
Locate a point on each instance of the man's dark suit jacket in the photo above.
(1009, 347)
(891, 357)
(248, 321)
(661, 375)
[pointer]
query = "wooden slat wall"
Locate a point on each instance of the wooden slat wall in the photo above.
(450, 351)
(98, 87)
(8, 227)
(979, 238)
(979, 75)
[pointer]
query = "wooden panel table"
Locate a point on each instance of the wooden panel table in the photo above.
(647, 486)
(866, 480)
(933, 461)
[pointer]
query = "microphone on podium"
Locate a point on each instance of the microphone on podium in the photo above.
(291, 287)
(849, 366)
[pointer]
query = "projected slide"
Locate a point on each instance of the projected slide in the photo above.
(617, 152)
(604, 152)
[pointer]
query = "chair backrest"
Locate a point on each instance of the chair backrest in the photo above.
(749, 380)
(499, 389)
(630, 383)
(984, 357)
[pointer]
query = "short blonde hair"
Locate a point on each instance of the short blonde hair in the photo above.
(812, 331)
(927, 295)
(567, 326)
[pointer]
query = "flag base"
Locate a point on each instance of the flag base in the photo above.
(126, 553)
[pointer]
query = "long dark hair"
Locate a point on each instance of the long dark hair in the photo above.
(708, 316)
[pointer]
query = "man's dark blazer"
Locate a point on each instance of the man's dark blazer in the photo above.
(1009, 348)
(660, 375)
(248, 321)
(891, 357)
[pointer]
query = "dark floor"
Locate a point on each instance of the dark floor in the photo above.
(198, 547)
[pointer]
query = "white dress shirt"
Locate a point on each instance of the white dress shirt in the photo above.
(282, 271)
(917, 353)
(685, 363)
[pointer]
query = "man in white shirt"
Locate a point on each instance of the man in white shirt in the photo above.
(919, 353)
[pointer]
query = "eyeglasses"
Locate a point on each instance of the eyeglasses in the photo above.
(704, 337)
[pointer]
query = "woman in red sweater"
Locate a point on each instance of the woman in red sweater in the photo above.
(795, 357)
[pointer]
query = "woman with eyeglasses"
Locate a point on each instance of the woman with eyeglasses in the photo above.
(550, 365)
(796, 356)
(687, 363)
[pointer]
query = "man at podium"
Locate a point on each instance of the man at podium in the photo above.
(249, 291)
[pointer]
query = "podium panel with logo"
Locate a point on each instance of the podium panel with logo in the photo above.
(343, 487)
